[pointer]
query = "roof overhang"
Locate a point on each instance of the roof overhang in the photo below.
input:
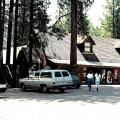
(87, 63)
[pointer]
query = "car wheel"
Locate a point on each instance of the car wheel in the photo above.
(62, 90)
(44, 89)
(23, 87)
(3, 90)
(77, 87)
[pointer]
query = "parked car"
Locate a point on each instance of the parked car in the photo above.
(3, 84)
(76, 81)
(3, 87)
(46, 80)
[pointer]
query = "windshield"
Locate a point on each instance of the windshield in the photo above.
(31, 73)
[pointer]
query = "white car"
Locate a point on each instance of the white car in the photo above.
(3, 87)
(46, 80)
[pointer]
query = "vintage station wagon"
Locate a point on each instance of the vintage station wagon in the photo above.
(46, 80)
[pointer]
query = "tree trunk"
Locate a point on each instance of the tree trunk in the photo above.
(9, 33)
(15, 46)
(1, 42)
(73, 52)
(23, 20)
(2, 14)
(31, 30)
(113, 21)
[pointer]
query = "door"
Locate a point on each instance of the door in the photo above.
(46, 78)
(109, 77)
(67, 79)
(36, 80)
(28, 82)
(58, 78)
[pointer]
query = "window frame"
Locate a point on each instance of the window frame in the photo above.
(56, 73)
(46, 74)
(87, 47)
(65, 75)
(37, 75)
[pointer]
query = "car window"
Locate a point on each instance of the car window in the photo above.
(57, 74)
(46, 74)
(37, 75)
(65, 74)
(31, 73)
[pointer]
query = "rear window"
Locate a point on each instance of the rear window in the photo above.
(65, 74)
(57, 74)
(46, 74)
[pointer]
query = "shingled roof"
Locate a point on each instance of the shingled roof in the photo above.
(60, 49)
(36, 58)
(104, 49)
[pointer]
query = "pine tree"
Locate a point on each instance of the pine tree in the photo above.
(110, 24)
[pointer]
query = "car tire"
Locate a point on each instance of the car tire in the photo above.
(2, 89)
(78, 86)
(23, 87)
(62, 90)
(45, 89)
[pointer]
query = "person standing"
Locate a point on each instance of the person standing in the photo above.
(89, 80)
(29, 72)
(97, 80)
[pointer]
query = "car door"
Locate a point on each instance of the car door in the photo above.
(58, 78)
(36, 80)
(67, 79)
(28, 82)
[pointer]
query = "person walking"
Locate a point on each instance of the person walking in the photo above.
(89, 80)
(97, 80)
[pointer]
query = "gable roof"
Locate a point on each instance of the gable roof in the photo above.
(36, 57)
(82, 39)
(104, 49)
(11, 54)
(117, 45)
(60, 49)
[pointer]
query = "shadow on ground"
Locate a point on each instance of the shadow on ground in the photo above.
(106, 94)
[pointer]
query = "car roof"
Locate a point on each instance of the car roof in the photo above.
(49, 70)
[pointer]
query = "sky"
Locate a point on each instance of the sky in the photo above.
(52, 10)
(94, 13)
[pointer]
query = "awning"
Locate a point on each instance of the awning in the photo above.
(87, 63)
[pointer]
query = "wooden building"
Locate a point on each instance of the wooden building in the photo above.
(93, 53)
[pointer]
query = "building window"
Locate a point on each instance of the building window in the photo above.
(87, 47)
